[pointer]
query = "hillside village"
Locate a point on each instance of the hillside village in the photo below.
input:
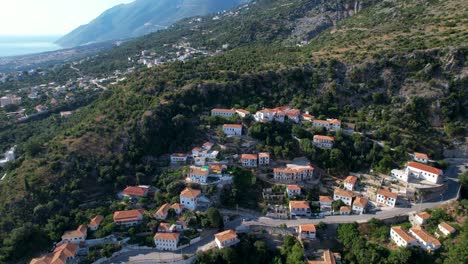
(207, 171)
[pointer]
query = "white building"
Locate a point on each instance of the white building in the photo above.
(350, 182)
(249, 160)
(325, 203)
(446, 229)
(426, 241)
(232, 129)
(421, 218)
(263, 159)
(299, 208)
(424, 172)
(179, 158)
(76, 236)
(269, 115)
(226, 238)
(421, 157)
(401, 237)
(324, 142)
(399, 174)
(293, 173)
(189, 198)
(128, 218)
(242, 112)
(198, 174)
(161, 213)
(307, 231)
(360, 205)
(166, 241)
(343, 195)
(386, 197)
(226, 113)
(293, 190)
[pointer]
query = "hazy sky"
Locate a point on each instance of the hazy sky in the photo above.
(49, 17)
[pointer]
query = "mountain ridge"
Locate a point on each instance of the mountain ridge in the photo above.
(138, 18)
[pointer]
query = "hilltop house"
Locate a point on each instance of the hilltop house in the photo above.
(226, 238)
(76, 236)
(179, 158)
(135, 192)
(426, 241)
(128, 218)
(360, 205)
(418, 171)
(232, 129)
(401, 237)
(307, 117)
(189, 198)
(293, 190)
(226, 113)
(421, 218)
(263, 159)
(63, 254)
(249, 160)
(307, 231)
(293, 173)
(166, 241)
(95, 222)
(345, 210)
(421, 157)
(350, 182)
(161, 214)
(299, 208)
(386, 197)
(343, 195)
(199, 174)
(324, 142)
(325, 203)
(446, 229)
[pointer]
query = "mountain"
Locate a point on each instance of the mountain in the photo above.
(396, 69)
(141, 17)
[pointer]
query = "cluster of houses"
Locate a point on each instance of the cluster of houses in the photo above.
(419, 171)
(418, 236)
(73, 243)
(10, 99)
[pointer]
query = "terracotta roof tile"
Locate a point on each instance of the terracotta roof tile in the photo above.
(190, 193)
(403, 234)
(226, 235)
(424, 167)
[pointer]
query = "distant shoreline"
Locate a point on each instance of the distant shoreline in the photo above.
(24, 45)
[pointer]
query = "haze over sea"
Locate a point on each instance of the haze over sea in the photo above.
(22, 45)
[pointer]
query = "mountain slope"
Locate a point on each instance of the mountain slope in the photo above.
(141, 17)
(103, 147)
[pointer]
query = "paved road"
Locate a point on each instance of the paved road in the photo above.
(255, 219)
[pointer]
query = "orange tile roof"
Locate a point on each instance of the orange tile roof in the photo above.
(387, 193)
(345, 209)
(298, 204)
(181, 155)
(96, 221)
(190, 193)
(135, 191)
(308, 116)
(249, 156)
(293, 169)
(199, 171)
(128, 216)
(424, 167)
(242, 111)
(167, 236)
(351, 179)
(176, 206)
(403, 234)
(226, 235)
(361, 202)
(232, 125)
(208, 144)
(325, 199)
(425, 236)
(223, 110)
(294, 187)
(82, 230)
(344, 193)
(321, 137)
(321, 121)
(307, 228)
(58, 256)
(447, 227)
(293, 112)
(335, 121)
(196, 149)
(162, 211)
(164, 226)
(264, 155)
(424, 215)
(421, 155)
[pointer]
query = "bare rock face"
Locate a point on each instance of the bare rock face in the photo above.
(323, 15)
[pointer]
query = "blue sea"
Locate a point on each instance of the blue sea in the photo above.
(22, 45)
